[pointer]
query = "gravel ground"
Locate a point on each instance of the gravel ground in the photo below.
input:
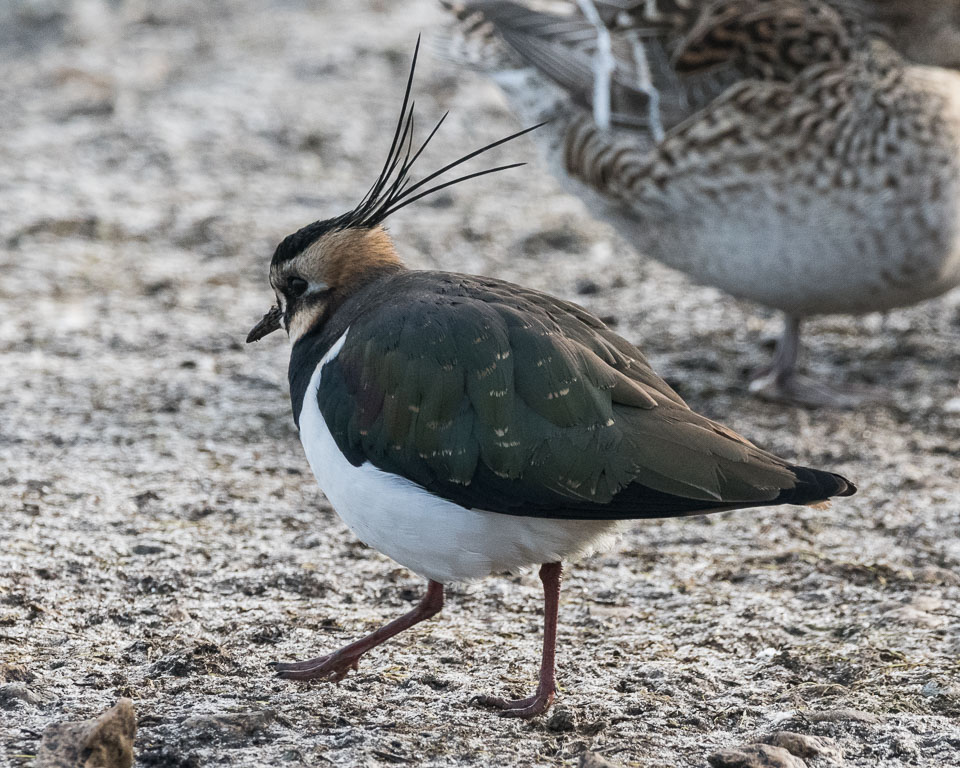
(163, 539)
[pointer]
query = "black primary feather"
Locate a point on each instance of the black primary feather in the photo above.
(393, 189)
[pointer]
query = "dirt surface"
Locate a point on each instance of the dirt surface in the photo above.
(163, 539)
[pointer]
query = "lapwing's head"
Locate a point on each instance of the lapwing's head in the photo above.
(316, 268)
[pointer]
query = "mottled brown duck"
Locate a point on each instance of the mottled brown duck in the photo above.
(784, 151)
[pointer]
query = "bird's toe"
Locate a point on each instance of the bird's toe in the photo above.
(526, 708)
(332, 668)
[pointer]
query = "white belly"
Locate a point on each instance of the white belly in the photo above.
(429, 535)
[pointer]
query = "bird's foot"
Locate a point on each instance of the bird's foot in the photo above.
(806, 392)
(526, 708)
(332, 668)
(335, 666)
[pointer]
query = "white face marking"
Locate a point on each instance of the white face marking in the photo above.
(306, 308)
(303, 319)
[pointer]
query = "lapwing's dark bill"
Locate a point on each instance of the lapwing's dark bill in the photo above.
(466, 426)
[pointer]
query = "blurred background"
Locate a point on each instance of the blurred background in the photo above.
(162, 537)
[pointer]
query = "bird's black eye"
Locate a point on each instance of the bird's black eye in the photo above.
(296, 286)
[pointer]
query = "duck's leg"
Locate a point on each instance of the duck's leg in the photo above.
(781, 383)
(336, 665)
(603, 67)
(547, 688)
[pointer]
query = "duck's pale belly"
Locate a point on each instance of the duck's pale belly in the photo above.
(429, 535)
(818, 259)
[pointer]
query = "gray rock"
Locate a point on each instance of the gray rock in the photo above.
(934, 574)
(16, 673)
(805, 746)
(102, 742)
(147, 548)
(561, 720)
(593, 760)
(755, 756)
(13, 695)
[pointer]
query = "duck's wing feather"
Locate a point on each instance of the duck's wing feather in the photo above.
(503, 399)
(563, 48)
(686, 53)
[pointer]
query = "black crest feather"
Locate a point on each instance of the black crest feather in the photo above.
(393, 189)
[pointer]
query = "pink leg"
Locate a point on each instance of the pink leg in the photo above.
(336, 665)
(547, 688)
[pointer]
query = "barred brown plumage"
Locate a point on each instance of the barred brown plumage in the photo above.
(781, 150)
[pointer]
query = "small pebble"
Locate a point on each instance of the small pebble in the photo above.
(807, 747)
(755, 756)
(16, 673)
(12, 695)
(102, 742)
(587, 287)
(952, 405)
(146, 549)
(562, 720)
(593, 760)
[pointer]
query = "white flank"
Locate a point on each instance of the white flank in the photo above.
(429, 535)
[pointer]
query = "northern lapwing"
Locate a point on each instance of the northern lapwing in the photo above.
(466, 426)
(780, 150)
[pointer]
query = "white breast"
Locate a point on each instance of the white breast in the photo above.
(433, 537)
